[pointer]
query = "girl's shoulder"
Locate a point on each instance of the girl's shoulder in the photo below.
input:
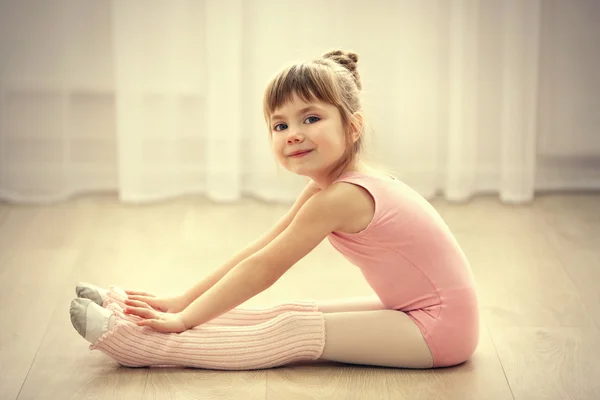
(353, 203)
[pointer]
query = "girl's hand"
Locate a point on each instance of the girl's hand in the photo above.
(159, 321)
(172, 304)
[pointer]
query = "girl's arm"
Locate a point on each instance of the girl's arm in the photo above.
(201, 287)
(323, 213)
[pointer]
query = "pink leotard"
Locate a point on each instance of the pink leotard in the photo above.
(414, 264)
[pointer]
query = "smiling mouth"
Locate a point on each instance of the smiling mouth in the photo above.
(300, 154)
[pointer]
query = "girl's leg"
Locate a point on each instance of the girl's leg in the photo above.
(359, 331)
(368, 303)
(387, 338)
(380, 338)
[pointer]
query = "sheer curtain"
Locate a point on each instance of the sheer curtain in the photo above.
(156, 99)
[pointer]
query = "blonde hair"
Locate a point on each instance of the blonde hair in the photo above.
(333, 78)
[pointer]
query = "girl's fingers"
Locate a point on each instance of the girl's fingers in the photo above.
(137, 303)
(139, 293)
(140, 312)
(144, 299)
(160, 324)
(148, 302)
(155, 324)
(138, 297)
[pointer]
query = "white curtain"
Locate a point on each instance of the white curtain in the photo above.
(158, 99)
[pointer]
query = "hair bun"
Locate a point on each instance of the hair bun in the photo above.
(346, 59)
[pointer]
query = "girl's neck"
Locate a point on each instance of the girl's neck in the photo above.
(355, 166)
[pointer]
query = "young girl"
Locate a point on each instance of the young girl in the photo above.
(425, 313)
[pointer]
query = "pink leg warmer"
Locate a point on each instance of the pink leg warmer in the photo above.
(237, 316)
(289, 337)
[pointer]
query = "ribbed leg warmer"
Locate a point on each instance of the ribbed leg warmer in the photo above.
(288, 337)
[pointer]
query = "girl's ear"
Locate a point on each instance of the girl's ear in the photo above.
(356, 126)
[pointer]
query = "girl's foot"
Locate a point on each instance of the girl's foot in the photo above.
(88, 291)
(90, 320)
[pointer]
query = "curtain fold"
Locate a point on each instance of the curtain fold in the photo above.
(519, 99)
(463, 108)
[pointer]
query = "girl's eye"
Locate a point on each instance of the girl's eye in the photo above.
(311, 120)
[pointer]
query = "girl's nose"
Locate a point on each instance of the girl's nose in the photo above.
(295, 137)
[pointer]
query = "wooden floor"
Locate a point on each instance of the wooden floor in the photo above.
(537, 267)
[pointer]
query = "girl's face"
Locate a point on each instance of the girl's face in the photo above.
(315, 129)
